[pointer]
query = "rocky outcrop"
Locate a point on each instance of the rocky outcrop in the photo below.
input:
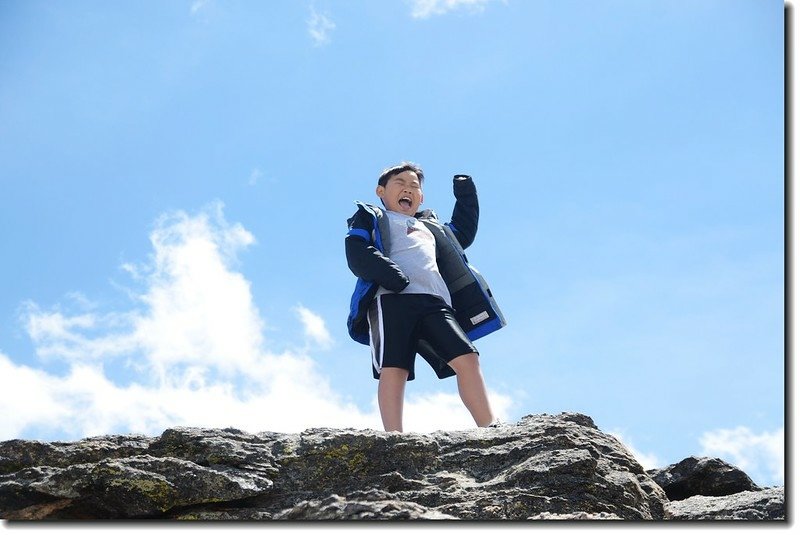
(544, 467)
(704, 476)
(765, 504)
(705, 488)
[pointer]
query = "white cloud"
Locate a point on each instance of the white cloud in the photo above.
(423, 413)
(320, 28)
(760, 456)
(423, 9)
(199, 311)
(189, 351)
(314, 327)
(192, 347)
(29, 397)
(58, 336)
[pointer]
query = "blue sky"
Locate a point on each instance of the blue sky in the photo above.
(175, 179)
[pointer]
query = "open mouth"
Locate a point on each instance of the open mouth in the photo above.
(405, 202)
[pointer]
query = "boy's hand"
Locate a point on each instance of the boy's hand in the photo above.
(463, 186)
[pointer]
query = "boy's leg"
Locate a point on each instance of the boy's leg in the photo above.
(391, 388)
(472, 389)
(391, 320)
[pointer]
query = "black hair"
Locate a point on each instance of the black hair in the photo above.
(389, 172)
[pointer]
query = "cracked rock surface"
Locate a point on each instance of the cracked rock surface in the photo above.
(543, 467)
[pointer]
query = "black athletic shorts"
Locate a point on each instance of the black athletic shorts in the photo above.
(398, 321)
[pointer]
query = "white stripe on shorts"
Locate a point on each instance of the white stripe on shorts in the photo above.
(376, 336)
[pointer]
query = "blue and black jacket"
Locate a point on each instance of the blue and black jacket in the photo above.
(367, 248)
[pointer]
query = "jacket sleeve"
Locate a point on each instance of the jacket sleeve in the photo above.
(464, 222)
(365, 260)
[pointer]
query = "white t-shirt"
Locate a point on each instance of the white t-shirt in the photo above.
(414, 250)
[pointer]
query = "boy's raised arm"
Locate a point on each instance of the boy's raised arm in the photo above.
(464, 222)
(366, 261)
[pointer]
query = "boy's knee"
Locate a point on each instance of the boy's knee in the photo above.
(465, 363)
(394, 375)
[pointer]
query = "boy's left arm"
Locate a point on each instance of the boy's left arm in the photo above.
(464, 222)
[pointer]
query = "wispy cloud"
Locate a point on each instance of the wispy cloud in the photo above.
(320, 27)
(255, 176)
(198, 5)
(423, 9)
(759, 455)
(314, 327)
(190, 350)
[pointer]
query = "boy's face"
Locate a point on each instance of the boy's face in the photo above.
(402, 193)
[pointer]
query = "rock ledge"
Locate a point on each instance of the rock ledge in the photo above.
(544, 467)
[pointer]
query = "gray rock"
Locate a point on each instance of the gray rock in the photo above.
(545, 467)
(544, 463)
(337, 508)
(17, 454)
(766, 504)
(575, 516)
(140, 486)
(704, 476)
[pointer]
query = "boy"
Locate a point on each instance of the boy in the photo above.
(411, 269)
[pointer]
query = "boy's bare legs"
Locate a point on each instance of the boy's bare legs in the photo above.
(391, 389)
(472, 389)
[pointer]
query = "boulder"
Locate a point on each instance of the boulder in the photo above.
(703, 476)
(765, 504)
